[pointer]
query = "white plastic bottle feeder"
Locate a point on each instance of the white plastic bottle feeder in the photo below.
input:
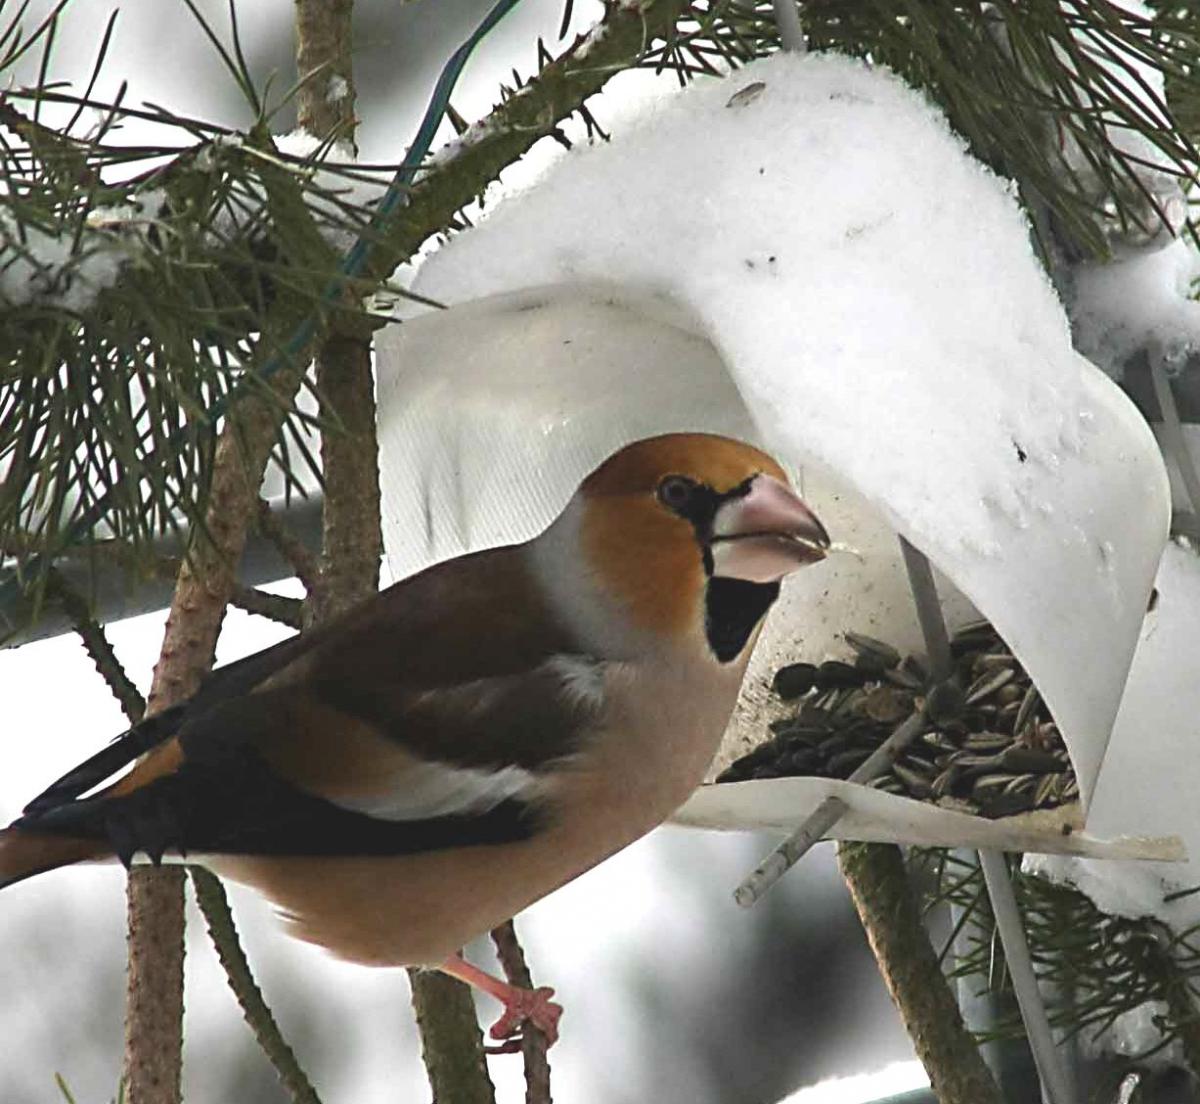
(740, 262)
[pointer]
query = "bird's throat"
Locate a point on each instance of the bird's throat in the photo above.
(732, 610)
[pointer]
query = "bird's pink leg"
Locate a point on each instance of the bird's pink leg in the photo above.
(520, 1005)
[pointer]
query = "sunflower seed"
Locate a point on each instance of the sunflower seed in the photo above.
(794, 681)
(937, 738)
(833, 673)
(1009, 695)
(944, 702)
(987, 782)
(988, 683)
(844, 762)
(903, 679)
(987, 741)
(946, 781)
(1017, 757)
(1048, 788)
(916, 784)
(876, 650)
(1025, 713)
(886, 704)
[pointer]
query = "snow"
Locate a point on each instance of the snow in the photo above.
(1141, 298)
(872, 293)
(1137, 302)
(1132, 1035)
(298, 143)
(337, 89)
(59, 271)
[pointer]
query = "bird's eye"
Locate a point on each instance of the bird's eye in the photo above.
(675, 492)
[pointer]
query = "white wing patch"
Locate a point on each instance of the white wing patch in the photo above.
(428, 789)
(423, 788)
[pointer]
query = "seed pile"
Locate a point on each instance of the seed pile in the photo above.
(989, 747)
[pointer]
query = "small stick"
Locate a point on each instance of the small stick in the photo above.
(1173, 432)
(824, 816)
(787, 21)
(291, 548)
(96, 644)
(533, 1041)
(1055, 1084)
(929, 612)
(275, 607)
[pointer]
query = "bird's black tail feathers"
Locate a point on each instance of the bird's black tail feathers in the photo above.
(139, 739)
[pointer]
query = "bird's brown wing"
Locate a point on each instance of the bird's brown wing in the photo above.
(425, 719)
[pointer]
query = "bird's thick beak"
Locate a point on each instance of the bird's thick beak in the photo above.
(766, 534)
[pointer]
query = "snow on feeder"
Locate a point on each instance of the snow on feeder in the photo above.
(739, 263)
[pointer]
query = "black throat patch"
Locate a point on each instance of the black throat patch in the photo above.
(732, 608)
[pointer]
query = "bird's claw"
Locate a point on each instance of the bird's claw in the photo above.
(532, 1006)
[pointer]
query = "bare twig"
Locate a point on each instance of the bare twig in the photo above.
(1056, 1088)
(891, 916)
(451, 1041)
(791, 32)
(210, 896)
(97, 645)
(154, 1013)
(154, 986)
(276, 607)
(325, 105)
(294, 551)
(533, 1040)
(352, 539)
(1173, 435)
(929, 612)
(824, 816)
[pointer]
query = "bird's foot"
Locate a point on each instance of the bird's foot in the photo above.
(525, 1006)
(521, 1006)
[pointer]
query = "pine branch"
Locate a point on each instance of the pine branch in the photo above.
(1110, 964)
(97, 646)
(891, 916)
(210, 896)
(1179, 994)
(533, 1040)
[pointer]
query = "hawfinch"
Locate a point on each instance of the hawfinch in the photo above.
(405, 778)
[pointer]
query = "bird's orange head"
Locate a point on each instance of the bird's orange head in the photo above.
(692, 532)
